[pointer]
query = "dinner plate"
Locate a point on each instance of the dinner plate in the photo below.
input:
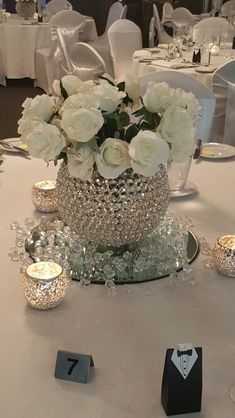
(208, 69)
(14, 142)
(215, 150)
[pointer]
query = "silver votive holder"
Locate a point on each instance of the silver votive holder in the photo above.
(44, 196)
(224, 255)
(44, 285)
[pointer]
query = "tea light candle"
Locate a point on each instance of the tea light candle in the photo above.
(44, 284)
(224, 255)
(44, 196)
(215, 50)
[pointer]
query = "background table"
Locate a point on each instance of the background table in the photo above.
(127, 334)
(142, 68)
(18, 41)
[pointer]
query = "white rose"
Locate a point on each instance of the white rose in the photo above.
(175, 123)
(112, 158)
(187, 101)
(81, 124)
(132, 87)
(69, 82)
(45, 142)
(26, 126)
(157, 97)
(41, 106)
(148, 150)
(85, 100)
(85, 87)
(176, 127)
(109, 96)
(80, 163)
(182, 148)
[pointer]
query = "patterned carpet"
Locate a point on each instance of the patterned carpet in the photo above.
(11, 99)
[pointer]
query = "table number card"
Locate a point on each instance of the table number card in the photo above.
(73, 367)
(182, 380)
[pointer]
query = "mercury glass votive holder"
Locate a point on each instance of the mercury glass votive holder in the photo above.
(44, 196)
(224, 255)
(44, 284)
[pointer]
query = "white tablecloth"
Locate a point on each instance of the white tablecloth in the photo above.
(141, 68)
(18, 41)
(127, 334)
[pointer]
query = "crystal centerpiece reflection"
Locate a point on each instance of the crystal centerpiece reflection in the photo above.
(160, 253)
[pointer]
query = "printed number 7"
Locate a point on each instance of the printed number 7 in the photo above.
(73, 365)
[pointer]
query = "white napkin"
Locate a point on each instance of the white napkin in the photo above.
(162, 63)
(142, 53)
(163, 46)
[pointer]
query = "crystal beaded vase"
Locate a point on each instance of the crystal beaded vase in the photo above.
(26, 9)
(112, 212)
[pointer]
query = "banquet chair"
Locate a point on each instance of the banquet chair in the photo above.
(210, 27)
(55, 6)
(203, 94)
(223, 86)
(124, 39)
(67, 18)
(167, 11)
(84, 62)
(227, 7)
(163, 37)
(2, 73)
(116, 11)
(152, 33)
(182, 16)
(45, 64)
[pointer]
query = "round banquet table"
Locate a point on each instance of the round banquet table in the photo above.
(141, 68)
(128, 334)
(19, 39)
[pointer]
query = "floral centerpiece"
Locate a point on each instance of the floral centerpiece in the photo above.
(26, 8)
(113, 170)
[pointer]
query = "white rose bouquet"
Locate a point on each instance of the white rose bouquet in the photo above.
(87, 124)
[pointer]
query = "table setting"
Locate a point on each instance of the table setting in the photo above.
(70, 231)
(182, 59)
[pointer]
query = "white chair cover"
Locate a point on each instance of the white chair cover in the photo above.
(224, 90)
(209, 27)
(85, 62)
(46, 64)
(124, 39)
(2, 73)
(167, 12)
(203, 94)
(163, 37)
(182, 16)
(151, 33)
(115, 12)
(227, 7)
(55, 6)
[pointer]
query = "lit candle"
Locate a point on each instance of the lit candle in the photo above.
(44, 196)
(44, 284)
(224, 255)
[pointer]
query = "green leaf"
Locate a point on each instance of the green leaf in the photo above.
(131, 132)
(139, 112)
(121, 86)
(124, 118)
(106, 79)
(63, 91)
(145, 126)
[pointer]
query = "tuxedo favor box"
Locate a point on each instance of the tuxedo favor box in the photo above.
(181, 393)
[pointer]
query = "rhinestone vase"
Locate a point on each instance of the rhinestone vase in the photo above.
(112, 212)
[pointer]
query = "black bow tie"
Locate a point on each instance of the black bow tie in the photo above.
(187, 352)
